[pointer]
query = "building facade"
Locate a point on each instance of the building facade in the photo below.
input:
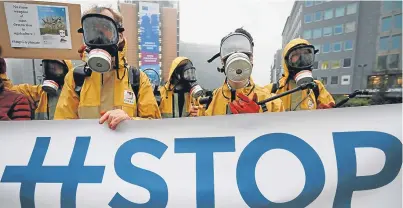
(354, 38)
(277, 67)
(169, 34)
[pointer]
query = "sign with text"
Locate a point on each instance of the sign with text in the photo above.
(149, 16)
(329, 158)
(38, 26)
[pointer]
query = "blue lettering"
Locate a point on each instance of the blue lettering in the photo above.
(313, 166)
(345, 144)
(124, 168)
(204, 149)
(69, 176)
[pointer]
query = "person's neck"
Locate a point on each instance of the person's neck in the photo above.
(237, 85)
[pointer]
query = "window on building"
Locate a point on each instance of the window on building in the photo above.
(307, 34)
(335, 64)
(388, 6)
(346, 62)
(384, 43)
(381, 63)
(374, 82)
(308, 18)
(318, 16)
(345, 80)
(395, 81)
(337, 47)
(393, 62)
(340, 11)
(317, 33)
(328, 14)
(352, 8)
(398, 21)
(350, 27)
(318, 2)
(334, 80)
(348, 45)
(308, 3)
(324, 65)
(323, 80)
(396, 42)
(398, 5)
(315, 65)
(386, 24)
(338, 29)
(317, 47)
(326, 47)
(327, 31)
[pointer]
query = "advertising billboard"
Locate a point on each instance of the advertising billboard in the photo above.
(149, 16)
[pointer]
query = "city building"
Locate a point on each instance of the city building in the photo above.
(165, 47)
(359, 42)
(277, 67)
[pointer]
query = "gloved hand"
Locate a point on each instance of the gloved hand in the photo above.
(244, 105)
(325, 106)
(3, 67)
(81, 50)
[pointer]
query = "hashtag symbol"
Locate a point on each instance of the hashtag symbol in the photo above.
(69, 176)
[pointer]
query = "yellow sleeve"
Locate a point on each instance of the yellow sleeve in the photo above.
(324, 96)
(6, 81)
(67, 106)
(147, 105)
(269, 87)
(276, 105)
(33, 92)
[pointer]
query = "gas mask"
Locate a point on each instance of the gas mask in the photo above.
(235, 52)
(299, 61)
(185, 80)
(101, 36)
(54, 72)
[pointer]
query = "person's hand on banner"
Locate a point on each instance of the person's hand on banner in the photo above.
(244, 105)
(325, 106)
(114, 118)
(194, 111)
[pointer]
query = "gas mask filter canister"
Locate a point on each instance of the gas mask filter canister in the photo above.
(99, 60)
(238, 68)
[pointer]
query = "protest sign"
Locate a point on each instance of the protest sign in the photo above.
(40, 30)
(329, 158)
(38, 26)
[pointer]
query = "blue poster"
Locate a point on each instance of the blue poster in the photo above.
(149, 35)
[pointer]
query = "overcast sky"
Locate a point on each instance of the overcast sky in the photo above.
(207, 21)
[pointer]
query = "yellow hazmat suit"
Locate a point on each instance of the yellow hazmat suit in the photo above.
(104, 92)
(222, 97)
(45, 104)
(169, 100)
(301, 100)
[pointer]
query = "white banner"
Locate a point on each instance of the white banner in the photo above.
(348, 157)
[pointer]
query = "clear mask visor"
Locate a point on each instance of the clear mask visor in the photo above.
(233, 43)
(100, 31)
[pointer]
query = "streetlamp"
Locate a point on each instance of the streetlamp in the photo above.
(362, 74)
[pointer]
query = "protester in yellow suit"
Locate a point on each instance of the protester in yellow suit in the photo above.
(181, 90)
(298, 59)
(239, 94)
(107, 92)
(44, 97)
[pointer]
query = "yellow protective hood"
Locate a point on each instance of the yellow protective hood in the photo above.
(69, 64)
(178, 61)
(290, 45)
